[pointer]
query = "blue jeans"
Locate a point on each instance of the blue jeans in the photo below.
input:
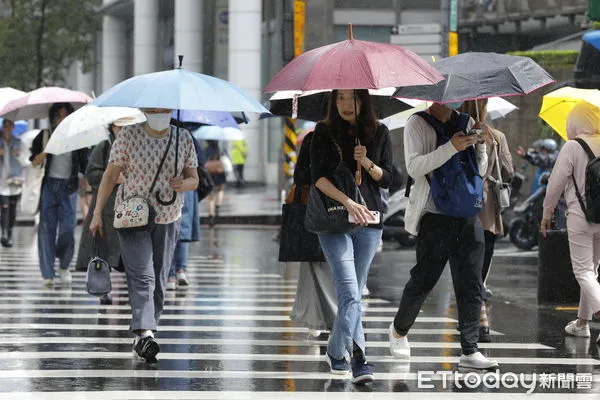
(349, 255)
(57, 213)
(180, 258)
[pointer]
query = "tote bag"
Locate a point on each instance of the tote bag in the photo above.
(296, 244)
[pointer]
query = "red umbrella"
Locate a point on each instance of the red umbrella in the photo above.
(354, 64)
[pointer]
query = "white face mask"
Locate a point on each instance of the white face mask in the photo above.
(158, 122)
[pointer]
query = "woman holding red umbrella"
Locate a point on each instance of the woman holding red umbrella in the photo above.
(350, 117)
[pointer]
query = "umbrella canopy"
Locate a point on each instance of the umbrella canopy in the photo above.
(8, 94)
(35, 104)
(312, 106)
(471, 76)
(179, 89)
(211, 132)
(218, 118)
(354, 64)
(86, 127)
(557, 105)
(497, 107)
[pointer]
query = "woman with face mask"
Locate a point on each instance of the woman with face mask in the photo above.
(351, 126)
(147, 254)
(58, 202)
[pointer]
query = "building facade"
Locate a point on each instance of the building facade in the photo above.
(243, 41)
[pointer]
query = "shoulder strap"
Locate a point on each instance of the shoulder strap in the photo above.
(162, 161)
(586, 147)
(463, 121)
(591, 156)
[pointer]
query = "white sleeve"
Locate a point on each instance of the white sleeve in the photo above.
(419, 160)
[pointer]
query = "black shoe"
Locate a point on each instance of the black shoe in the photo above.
(484, 334)
(147, 348)
(106, 299)
(4, 242)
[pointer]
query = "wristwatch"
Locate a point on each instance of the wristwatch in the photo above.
(371, 167)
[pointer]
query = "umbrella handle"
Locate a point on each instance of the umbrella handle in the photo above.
(165, 203)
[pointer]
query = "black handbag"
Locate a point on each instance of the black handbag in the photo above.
(296, 244)
(205, 183)
(324, 214)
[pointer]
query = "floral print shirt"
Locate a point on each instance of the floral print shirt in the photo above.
(139, 155)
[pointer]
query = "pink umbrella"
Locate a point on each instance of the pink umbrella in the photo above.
(35, 104)
(354, 64)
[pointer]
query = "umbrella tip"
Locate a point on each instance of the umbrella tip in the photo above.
(180, 60)
(350, 36)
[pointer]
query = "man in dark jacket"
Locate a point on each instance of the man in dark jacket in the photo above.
(58, 202)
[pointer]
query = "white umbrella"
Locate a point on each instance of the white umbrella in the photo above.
(8, 94)
(211, 132)
(86, 127)
(497, 107)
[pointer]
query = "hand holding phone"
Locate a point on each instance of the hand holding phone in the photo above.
(374, 218)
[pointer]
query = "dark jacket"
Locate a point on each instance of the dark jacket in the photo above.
(79, 158)
(324, 160)
(108, 246)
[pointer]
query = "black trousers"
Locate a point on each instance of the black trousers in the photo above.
(490, 244)
(8, 213)
(441, 239)
(238, 170)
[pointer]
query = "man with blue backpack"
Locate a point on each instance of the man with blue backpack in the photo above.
(446, 157)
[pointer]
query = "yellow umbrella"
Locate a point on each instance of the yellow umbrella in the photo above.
(557, 105)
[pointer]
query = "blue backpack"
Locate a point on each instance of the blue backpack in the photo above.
(456, 186)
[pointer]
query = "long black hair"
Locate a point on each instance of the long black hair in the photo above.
(55, 108)
(367, 120)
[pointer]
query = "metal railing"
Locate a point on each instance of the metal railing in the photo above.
(485, 12)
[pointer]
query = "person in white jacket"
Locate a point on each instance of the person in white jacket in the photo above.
(441, 238)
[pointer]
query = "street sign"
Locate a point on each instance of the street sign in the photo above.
(453, 23)
(424, 39)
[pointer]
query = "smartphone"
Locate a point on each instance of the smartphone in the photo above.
(474, 131)
(374, 219)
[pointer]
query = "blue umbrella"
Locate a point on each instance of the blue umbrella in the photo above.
(179, 89)
(20, 126)
(217, 118)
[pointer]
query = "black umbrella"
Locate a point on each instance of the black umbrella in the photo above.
(471, 76)
(314, 107)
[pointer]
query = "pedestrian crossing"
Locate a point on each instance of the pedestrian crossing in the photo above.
(228, 336)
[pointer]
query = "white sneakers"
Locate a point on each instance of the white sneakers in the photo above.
(48, 282)
(65, 276)
(182, 279)
(580, 331)
(477, 361)
(399, 347)
(172, 284)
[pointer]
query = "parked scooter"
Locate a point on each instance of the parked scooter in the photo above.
(525, 227)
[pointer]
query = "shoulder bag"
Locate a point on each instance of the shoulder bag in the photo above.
(324, 214)
(501, 189)
(135, 213)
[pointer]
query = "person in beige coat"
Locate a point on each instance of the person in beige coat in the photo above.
(490, 217)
